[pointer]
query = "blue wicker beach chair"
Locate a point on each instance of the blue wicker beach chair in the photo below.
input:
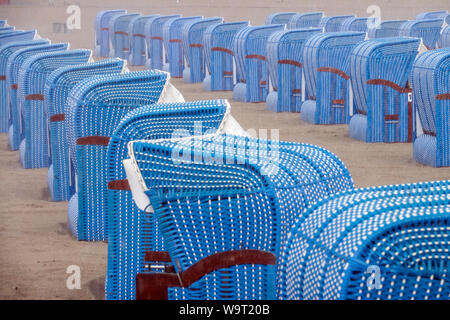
(163, 121)
(7, 47)
(193, 48)
(119, 36)
(428, 30)
(31, 82)
(14, 64)
(379, 71)
(444, 38)
(333, 23)
(326, 60)
(155, 41)
(138, 46)
(355, 24)
(431, 91)
(285, 61)
(5, 30)
(249, 47)
(387, 243)
(218, 49)
(386, 29)
(432, 15)
(166, 42)
(173, 39)
(280, 17)
(102, 32)
(305, 20)
(3, 23)
(58, 86)
(17, 35)
(94, 108)
(236, 195)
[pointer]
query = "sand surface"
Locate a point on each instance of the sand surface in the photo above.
(36, 246)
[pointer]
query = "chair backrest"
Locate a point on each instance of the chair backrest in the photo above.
(305, 20)
(397, 233)
(17, 36)
(173, 37)
(385, 29)
(430, 82)
(255, 188)
(102, 32)
(218, 49)
(193, 46)
(333, 23)
(31, 82)
(3, 23)
(14, 64)
(155, 41)
(388, 59)
(280, 17)
(444, 39)
(5, 30)
(427, 29)
(432, 15)
(138, 50)
(160, 121)
(119, 36)
(57, 88)
(355, 24)
(94, 108)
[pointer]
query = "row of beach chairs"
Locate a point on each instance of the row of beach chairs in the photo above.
(194, 208)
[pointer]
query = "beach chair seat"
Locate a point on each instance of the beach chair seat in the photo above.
(138, 45)
(173, 40)
(102, 31)
(385, 29)
(249, 47)
(279, 17)
(227, 193)
(14, 64)
(157, 57)
(379, 71)
(57, 88)
(119, 37)
(326, 60)
(159, 121)
(285, 62)
(428, 30)
(94, 108)
(218, 50)
(31, 82)
(333, 23)
(388, 243)
(431, 91)
(305, 20)
(193, 48)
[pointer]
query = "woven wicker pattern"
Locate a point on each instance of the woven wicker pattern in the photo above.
(428, 30)
(163, 121)
(102, 34)
(285, 62)
(379, 71)
(218, 50)
(355, 24)
(432, 15)
(57, 88)
(32, 76)
(138, 45)
(94, 108)
(326, 59)
(430, 79)
(386, 29)
(193, 48)
(333, 23)
(280, 17)
(305, 20)
(227, 192)
(249, 48)
(444, 39)
(402, 232)
(15, 61)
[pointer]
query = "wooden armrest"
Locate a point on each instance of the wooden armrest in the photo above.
(153, 286)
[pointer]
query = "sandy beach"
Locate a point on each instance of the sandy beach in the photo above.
(36, 245)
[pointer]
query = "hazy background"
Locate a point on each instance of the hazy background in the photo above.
(43, 14)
